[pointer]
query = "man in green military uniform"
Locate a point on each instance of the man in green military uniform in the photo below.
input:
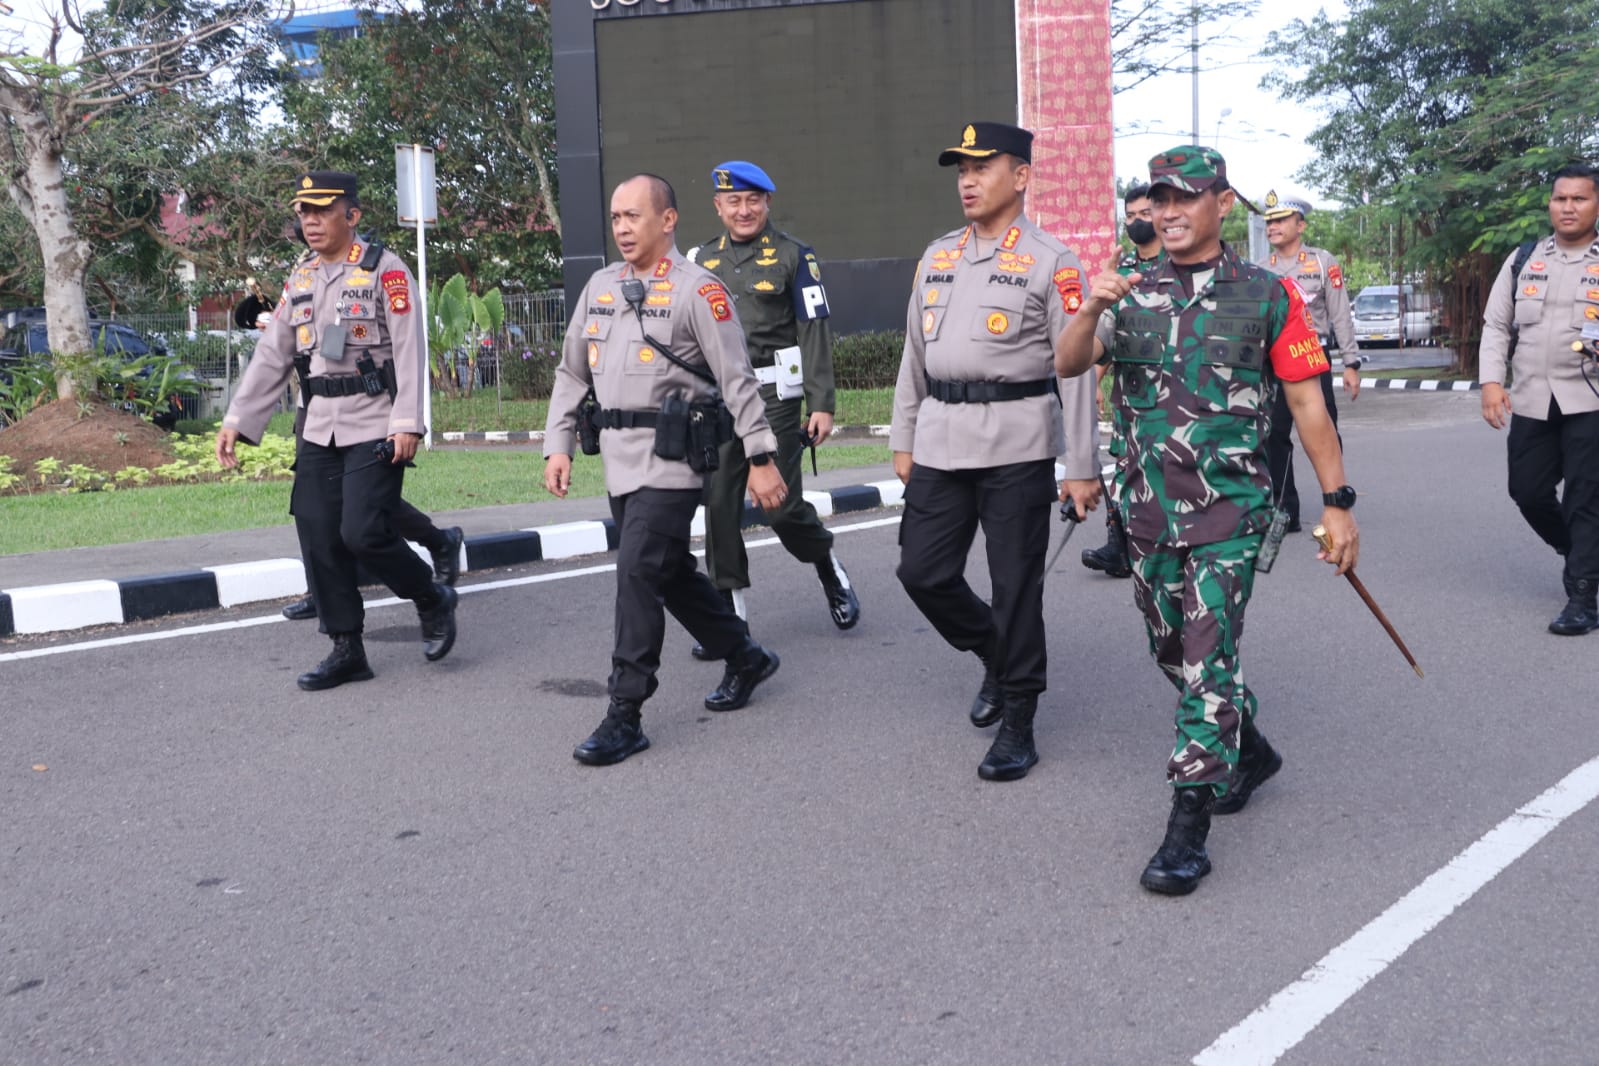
(1110, 559)
(1321, 283)
(776, 285)
(1198, 346)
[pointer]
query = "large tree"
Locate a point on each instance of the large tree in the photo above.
(472, 80)
(1451, 113)
(1153, 37)
(118, 97)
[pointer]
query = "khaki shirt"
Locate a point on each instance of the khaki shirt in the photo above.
(378, 311)
(992, 314)
(1321, 283)
(685, 308)
(1555, 296)
(776, 284)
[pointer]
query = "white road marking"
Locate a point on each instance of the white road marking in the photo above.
(389, 601)
(1290, 1015)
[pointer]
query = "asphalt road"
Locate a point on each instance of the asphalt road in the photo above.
(202, 864)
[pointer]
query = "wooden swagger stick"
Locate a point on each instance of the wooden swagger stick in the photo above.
(1320, 533)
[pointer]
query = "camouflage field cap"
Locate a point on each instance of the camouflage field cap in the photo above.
(1192, 168)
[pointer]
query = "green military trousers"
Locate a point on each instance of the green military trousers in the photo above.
(796, 523)
(1193, 602)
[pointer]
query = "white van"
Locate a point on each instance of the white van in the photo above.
(1395, 315)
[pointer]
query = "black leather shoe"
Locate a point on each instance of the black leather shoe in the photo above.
(698, 650)
(744, 671)
(438, 624)
(447, 560)
(347, 662)
(1257, 762)
(987, 705)
(1293, 526)
(300, 610)
(1181, 861)
(621, 734)
(1012, 753)
(1581, 614)
(842, 603)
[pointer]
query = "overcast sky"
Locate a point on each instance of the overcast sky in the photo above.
(1263, 138)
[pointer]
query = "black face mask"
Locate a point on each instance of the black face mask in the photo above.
(1140, 231)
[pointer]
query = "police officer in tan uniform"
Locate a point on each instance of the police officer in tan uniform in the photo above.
(1533, 318)
(977, 426)
(1321, 282)
(348, 317)
(631, 320)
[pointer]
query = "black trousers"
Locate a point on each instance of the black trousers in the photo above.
(1543, 453)
(1280, 446)
(942, 511)
(656, 573)
(796, 523)
(344, 519)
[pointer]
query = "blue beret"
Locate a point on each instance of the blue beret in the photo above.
(737, 176)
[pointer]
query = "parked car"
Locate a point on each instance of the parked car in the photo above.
(29, 336)
(1395, 315)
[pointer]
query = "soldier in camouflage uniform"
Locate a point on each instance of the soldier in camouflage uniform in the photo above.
(776, 284)
(1198, 346)
(1111, 558)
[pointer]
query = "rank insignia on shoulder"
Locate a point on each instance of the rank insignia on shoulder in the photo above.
(355, 253)
(664, 267)
(1012, 235)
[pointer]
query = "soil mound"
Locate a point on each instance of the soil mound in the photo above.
(106, 439)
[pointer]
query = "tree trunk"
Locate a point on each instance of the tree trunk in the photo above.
(42, 197)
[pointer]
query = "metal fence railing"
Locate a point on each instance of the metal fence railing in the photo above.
(518, 360)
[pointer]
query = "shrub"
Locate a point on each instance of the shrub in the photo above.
(529, 373)
(868, 360)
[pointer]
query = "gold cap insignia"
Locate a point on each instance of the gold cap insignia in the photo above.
(724, 180)
(969, 137)
(1271, 199)
(305, 183)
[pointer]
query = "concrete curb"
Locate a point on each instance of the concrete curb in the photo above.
(76, 604)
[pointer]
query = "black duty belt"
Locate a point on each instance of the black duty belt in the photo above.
(336, 385)
(615, 418)
(987, 391)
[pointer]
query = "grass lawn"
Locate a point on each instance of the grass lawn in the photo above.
(1441, 373)
(444, 480)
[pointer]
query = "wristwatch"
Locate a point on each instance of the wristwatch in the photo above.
(1354, 364)
(1342, 498)
(762, 458)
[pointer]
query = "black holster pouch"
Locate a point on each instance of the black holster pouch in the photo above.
(671, 428)
(710, 425)
(588, 424)
(376, 380)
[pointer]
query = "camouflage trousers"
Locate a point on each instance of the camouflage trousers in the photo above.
(1193, 602)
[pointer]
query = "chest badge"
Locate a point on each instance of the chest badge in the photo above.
(932, 296)
(711, 264)
(359, 331)
(646, 355)
(929, 320)
(764, 286)
(594, 354)
(998, 323)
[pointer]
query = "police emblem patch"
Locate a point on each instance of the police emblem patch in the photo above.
(816, 271)
(998, 323)
(594, 354)
(646, 355)
(399, 290)
(932, 296)
(929, 320)
(360, 331)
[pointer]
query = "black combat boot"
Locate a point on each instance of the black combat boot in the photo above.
(988, 704)
(1181, 861)
(438, 623)
(1012, 753)
(734, 598)
(746, 668)
(1257, 761)
(842, 603)
(1581, 614)
(447, 557)
(300, 610)
(1111, 560)
(621, 734)
(347, 662)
